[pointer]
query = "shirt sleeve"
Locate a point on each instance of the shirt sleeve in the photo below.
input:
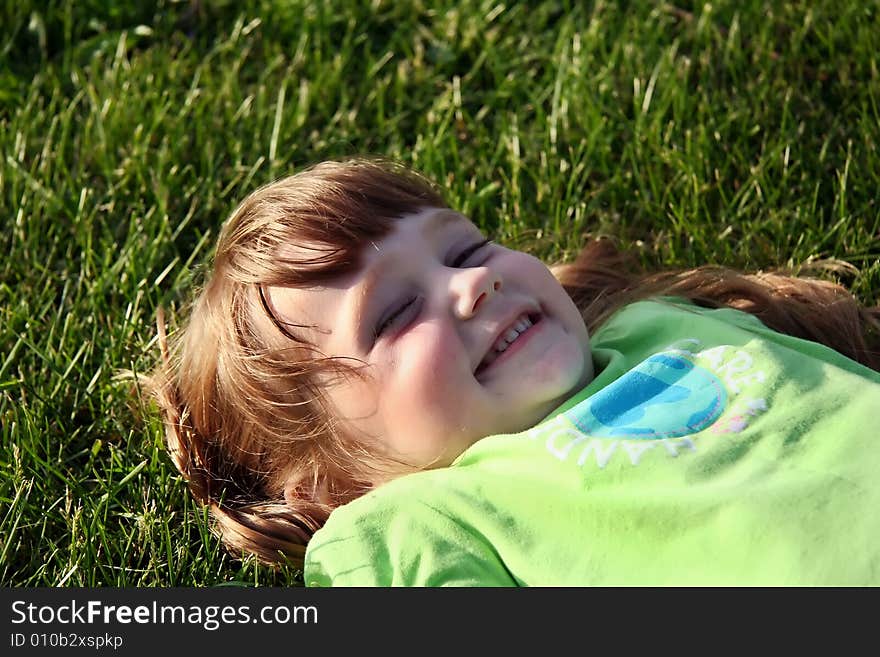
(411, 544)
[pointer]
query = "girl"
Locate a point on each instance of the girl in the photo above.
(366, 375)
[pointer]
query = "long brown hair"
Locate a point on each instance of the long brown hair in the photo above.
(245, 415)
(603, 279)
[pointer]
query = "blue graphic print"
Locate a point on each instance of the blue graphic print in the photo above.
(665, 396)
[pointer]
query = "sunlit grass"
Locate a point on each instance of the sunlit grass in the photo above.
(742, 133)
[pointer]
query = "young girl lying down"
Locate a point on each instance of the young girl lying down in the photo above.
(368, 385)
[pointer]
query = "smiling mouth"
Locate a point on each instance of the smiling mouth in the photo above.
(522, 325)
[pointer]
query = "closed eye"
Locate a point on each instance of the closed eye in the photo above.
(462, 257)
(386, 323)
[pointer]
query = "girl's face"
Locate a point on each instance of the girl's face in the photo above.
(463, 338)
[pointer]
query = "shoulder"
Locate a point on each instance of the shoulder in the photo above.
(671, 323)
(675, 309)
(646, 326)
(405, 533)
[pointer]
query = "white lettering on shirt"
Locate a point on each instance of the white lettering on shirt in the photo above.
(562, 452)
(603, 449)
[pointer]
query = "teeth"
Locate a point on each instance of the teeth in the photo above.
(519, 326)
(512, 334)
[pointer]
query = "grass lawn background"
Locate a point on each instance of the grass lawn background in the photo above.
(742, 133)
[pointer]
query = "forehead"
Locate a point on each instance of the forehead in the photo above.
(424, 223)
(313, 312)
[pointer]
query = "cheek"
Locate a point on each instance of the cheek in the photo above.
(530, 273)
(427, 362)
(426, 378)
(552, 292)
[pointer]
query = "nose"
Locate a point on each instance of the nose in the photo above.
(471, 287)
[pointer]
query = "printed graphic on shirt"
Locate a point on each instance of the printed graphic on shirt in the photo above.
(659, 405)
(665, 396)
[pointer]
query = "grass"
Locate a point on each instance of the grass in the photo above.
(742, 133)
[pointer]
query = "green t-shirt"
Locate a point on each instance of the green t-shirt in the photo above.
(709, 450)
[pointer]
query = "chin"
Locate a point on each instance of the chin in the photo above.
(565, 387)
(567, 377)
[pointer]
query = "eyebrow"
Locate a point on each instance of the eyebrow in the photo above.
(435, 223)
